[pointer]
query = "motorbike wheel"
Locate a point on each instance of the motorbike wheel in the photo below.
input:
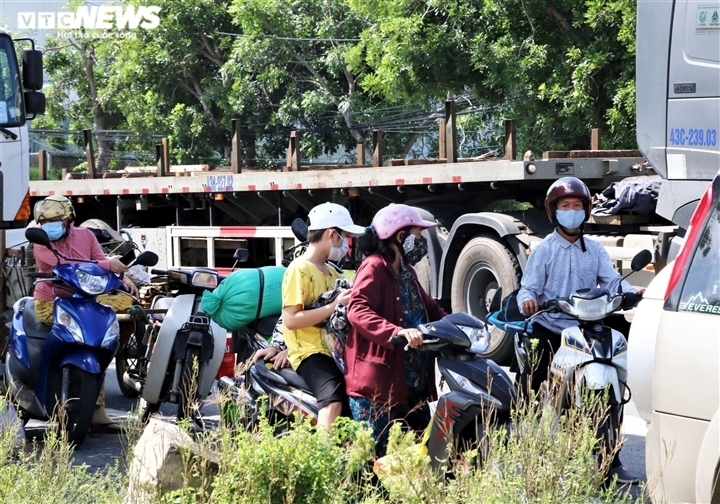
(189, 381)
(145, 409)
(128, 358)
(608, 427)
(75, 420)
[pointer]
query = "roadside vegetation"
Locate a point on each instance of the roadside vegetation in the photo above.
(545, 460)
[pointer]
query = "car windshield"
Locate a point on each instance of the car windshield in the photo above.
(11, 105)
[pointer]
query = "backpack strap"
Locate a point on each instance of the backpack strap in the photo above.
(260, 299)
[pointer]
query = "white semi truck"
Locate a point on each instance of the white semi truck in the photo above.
(20, 100)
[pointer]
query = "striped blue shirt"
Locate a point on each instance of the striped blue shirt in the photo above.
(556, 268)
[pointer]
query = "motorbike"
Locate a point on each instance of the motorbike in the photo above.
(480, 392)
(592, 357)
(58, 369)
(182, 348)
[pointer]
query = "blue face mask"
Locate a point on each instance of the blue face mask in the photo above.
(570, 219)
(54, 230)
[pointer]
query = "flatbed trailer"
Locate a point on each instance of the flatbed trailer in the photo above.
(489, 213)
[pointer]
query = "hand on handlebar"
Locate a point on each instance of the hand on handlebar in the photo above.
(413, 336)
(116, 265)
(530, 307)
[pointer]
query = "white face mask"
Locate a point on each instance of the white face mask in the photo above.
(337, 253)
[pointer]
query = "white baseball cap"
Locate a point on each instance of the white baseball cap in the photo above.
(332, 215)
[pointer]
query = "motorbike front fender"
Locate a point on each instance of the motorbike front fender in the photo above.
(180, 309)
(84, 359)
(596, 376)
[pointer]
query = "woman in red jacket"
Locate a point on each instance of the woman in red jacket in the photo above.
(385, 382)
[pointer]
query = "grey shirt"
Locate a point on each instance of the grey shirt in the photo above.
(557, 267)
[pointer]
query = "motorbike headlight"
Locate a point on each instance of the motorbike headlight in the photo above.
(614, 304)
(478, 336)
(204, 280)
(469, 386)
(63, 318)
(112, 335)
(576, 342)
(92, 284)
(590, 309)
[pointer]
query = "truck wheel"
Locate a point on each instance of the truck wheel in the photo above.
(484, 265)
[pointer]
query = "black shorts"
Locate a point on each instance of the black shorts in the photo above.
(324, 378)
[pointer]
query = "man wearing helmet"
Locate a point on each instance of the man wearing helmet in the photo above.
(562, 263)
(55, 215)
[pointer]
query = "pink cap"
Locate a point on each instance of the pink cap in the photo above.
(393, 218)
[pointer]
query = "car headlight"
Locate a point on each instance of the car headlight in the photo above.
(92, 284)
(62, 317)
(478, 336)
(590, 309)
(469, 386)
(112, 335)
(576, 342)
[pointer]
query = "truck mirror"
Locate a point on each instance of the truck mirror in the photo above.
(241, 255)
(299, 229)
(34, 103)
(37, 235)
(32, 70)
(641, 259)
(147, 258)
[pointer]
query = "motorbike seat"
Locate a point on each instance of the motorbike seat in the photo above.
(265, 325)
(284, 376)
(33, 327)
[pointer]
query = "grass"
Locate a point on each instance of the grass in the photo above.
(546, 459)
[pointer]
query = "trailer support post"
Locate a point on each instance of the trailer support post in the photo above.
(450, 132)
(510, 140)
(378, 149)
(235, 159)
(89, 154)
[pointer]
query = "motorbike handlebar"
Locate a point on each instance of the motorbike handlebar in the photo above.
(397, 340)
(631, 300)
(38, 274)
(158, 272)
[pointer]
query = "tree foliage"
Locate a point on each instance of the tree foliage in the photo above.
(337, 69)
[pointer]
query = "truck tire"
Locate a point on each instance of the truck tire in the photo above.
(422, 269)
(484, 265)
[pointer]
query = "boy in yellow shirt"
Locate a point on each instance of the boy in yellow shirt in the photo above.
(306, 278)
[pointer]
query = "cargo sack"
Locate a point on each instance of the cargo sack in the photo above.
(245, 295)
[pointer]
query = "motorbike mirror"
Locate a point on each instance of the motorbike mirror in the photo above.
(37, 235)
(241, 255)
(128, 258)
(147, 258)
(299, 229)
(496, 302)
(641, 259)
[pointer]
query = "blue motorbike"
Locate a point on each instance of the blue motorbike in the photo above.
(57, 370)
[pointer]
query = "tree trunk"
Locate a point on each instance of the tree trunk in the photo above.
(99, 117)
